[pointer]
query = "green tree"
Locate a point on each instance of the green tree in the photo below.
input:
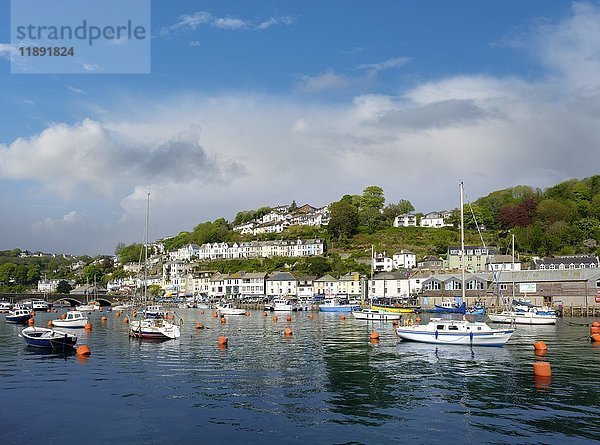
(63, 287)
(372, 197)
(7, 272)
(33, 273)
(343, 222)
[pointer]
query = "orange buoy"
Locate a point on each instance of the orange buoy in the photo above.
(126, 320)
(418, 319)
(118, 314)
(289, 318)
(595, 338)
(223, 320)
(275, 318)
(374, 335)
(63, 316)
(540, 345)
(103, 319)
(56, 311)
(310, 316)
(540, 352)
(595, 330)
(343, 317)
(287, 332)
(31, 321)
(542, 369)
(247, 313)
(83, 350)
(395, 323)
(215, 314)
(199, 326)
(264, 314)
(88, 326)
(202, 312)
(223, 340)
(172, 317)
(50, 324)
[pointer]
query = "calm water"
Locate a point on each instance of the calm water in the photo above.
(325, 384)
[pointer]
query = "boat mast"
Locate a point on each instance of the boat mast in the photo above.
(462, 241)
(146, 250)
(513, 267)
(372, 266)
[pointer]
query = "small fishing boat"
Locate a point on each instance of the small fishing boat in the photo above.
(338, 305)
(373, 314)
(154, 329)
(121, 307)
(475, 310)
(450, 307)
(74, 319)
(455, 332)
(18, 316)
(40, 305)
(533, 316)
(284, 305)
(230, 309)
(5, 307)
(48, 338)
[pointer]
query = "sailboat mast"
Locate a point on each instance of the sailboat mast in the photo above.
(462, 240)
(372, 267)
(146, 250)
(513, 267)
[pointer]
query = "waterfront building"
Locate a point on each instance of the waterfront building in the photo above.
(253, 284)
(326, 285)
(398, 284)
(282, 283)
(352, 285)
(305, 287)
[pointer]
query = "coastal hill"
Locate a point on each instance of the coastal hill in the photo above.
(561, 220)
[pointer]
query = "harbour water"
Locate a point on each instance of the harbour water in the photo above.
(327, 383)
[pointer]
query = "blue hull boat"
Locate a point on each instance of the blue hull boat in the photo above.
(48, 338)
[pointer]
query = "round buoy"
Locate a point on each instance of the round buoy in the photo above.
(172, 317)
(50, 324)
(103, 319)
(63, 316)
(343, 317)
(56, 311)
(118, 314)
(287, 332)
(395, 323)
(540, 345)
(222, 340)
(202, 312)
(374, 335)
(31, 321)
(540, 352)
(247, 313)
(275, 318)
(542, 369)
(215, 314)
(126, 320)
(311, 316)
(595, 330)
(83, 350)
(88, 326)
(418, 319)
(199, 326)
(223, 320)
(289, 318)
(595, 338)
(264, 314)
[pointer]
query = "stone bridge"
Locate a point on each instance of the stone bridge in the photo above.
(71, 299)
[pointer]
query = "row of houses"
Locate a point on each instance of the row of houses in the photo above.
(282, 217)
(249, 249)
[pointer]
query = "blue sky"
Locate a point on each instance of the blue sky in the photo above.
(258, 103)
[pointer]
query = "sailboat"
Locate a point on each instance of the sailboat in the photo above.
(522, 312)
(151, 328)
(374, 314)
(456, 332)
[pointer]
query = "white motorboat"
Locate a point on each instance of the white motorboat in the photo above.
(154, 329)
(121, 307)
(230, 309)
(40, 305)
(85, 308)
(154, 311)
(455, 332)
(283, 305)
(533, 316)
(372, 314)
(5, 307)
(74, 319)
(18, 316)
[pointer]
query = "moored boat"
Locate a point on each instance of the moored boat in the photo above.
(18, 316)
(530, 317)
(5, 307)
(154, 329)
(73, 319)
(230, 309)
(455, 332)
(373, 314)
(338, 305)
(48, 338)
(450, 307)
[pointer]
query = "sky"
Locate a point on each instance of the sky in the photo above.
(260, 103)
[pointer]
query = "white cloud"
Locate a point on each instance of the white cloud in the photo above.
(76, 90)
(394, 62)
(8, 51)
(190, 22)
(329, 80)
(195, 43)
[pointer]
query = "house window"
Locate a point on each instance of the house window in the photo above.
(571, 266)
(542, 267)
(582, 266)
(561, 266)
(552, 267)
(547, 301)
(504, 287)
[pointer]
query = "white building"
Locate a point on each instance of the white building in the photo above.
(253, 284)
(394, 285)
(382, 263)
(434, 220)
(502, 263)
(405, 220)
(404, 259)
(326, 285)
(282, 283)
(48, 286)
